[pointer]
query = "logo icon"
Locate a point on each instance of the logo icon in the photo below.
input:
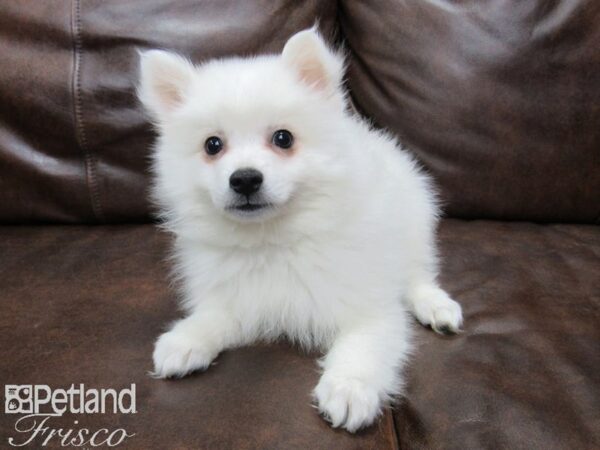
(18, 399)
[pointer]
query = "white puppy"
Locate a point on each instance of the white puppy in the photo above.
(292, 217)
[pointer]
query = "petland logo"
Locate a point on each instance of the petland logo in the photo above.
(41, 404)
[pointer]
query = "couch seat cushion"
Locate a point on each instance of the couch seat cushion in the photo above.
(84, 305)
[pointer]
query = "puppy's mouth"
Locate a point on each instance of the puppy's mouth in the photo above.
(249, 209)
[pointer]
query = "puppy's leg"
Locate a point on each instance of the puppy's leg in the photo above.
(429, 303)
(362, 370)
(193, 342)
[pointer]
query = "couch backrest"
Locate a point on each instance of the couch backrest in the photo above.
(74, 141)
(500, 100)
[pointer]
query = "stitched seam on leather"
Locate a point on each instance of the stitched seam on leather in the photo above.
(90, 161)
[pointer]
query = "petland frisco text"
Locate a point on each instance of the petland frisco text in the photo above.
(40, 404)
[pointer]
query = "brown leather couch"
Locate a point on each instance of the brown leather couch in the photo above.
(499, 99)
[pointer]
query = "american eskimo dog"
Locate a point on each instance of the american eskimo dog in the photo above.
(292, 218)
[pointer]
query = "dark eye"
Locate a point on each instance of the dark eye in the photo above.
(282, 139)
(213, 145)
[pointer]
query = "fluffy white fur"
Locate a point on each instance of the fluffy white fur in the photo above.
(345, 248)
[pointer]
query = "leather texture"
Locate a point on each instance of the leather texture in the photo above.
(42, 170)
(498, 99)
(74, 142)
(85, 304)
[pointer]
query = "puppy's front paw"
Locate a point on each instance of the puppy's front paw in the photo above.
(434, 307)
(176, 355)
(347, 402)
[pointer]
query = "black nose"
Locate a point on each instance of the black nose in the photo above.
(245, 181)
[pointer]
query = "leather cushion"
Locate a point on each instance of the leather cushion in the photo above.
(85, 304)
(499, 100)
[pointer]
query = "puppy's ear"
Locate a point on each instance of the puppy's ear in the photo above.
(315, 63)
(165, 79)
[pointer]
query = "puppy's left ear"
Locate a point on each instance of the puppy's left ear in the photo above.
(314, 62)
(165, 78)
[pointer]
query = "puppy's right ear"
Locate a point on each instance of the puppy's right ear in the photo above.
(165, 78)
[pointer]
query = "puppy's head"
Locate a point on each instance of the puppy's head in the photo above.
(246, 137)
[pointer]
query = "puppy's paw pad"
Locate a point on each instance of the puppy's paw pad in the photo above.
(176, 355)
(347, 402)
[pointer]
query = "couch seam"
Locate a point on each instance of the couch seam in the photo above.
(80, 133)
(393, 433)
